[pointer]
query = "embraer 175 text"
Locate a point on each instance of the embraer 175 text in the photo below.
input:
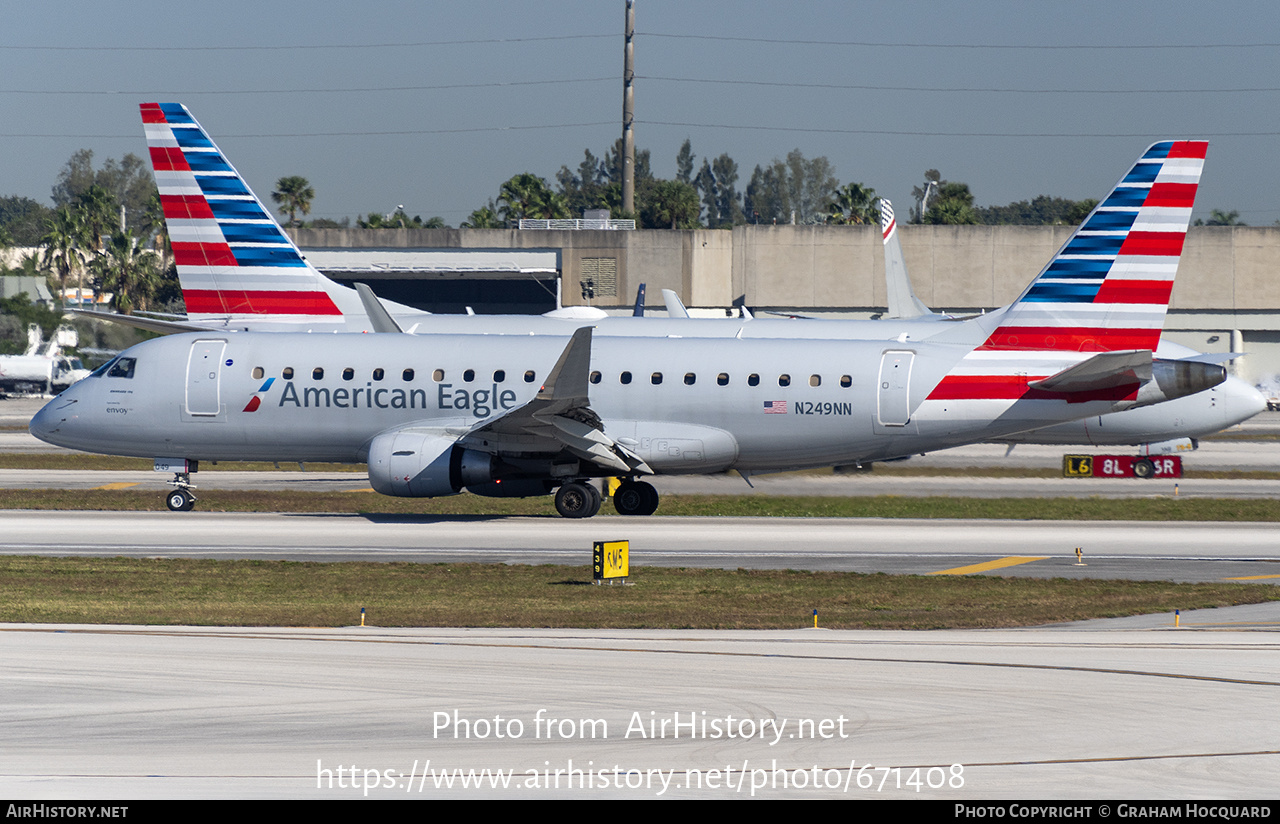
(531, 414)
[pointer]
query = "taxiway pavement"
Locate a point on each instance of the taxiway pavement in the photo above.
(152, 712)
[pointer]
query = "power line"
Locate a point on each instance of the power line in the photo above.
(902, 133)
(993, 46)
(438, 87)
(388, 133)
(329, 46)
(948, 90)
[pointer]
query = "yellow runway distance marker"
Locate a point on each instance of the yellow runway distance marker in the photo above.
(999, 563)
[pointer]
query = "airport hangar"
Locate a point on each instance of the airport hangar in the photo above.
(1226, 298)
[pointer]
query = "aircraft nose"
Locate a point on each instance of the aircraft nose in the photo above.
(1240, 401)
(47, 423)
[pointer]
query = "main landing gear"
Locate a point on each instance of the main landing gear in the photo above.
(181, 499)
(635, 498)
(578, 499)
(581, 499)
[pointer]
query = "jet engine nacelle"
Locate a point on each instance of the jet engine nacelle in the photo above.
(1172, 379)
(410, 464)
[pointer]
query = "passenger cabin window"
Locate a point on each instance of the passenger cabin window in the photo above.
(723, 379)
(530, 377)
(815, 380)
(499, 376)
(846, 381)
(437, 375)
(317, 374)
(595, 377)
(784, 380)
(258, 372)
(469, 375)
(690, 379)
(378, 374)
(655, 378)
(753, 379)
(348, 373)
(287, 373)
(122, 368)
(407, 375)
(624, 378)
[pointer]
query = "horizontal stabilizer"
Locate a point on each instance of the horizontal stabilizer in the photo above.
(675, 307)
(379, 318)
(163, 327)
(1107, 370)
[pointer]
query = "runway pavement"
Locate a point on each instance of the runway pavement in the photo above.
(1135, 550)
(147, 712)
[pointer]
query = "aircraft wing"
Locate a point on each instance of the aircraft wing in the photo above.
(560, 416)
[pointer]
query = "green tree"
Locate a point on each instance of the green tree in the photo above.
(293, 194)
(99, 215)
(952, 206)
(131, 272)
(23, 220)
(669, 204)
(486, 217)
(853, 204)
(684, 162)
(528, 196)
(795, 185)
(1041, 210)
(62, 242)
(1217, 217)
(128, 182)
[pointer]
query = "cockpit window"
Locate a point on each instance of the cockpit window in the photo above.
(122, 368)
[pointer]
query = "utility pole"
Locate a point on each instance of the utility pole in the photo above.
(629, 113)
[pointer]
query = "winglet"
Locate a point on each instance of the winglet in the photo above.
(638, 310)
(902, 301)
(568, 378)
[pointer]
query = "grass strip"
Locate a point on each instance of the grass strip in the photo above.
(894, 469)
(735, 506)
(285, 593)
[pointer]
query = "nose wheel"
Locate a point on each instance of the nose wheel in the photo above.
(181, 499)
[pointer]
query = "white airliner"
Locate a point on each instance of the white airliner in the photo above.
(528, 414)
(240, 271)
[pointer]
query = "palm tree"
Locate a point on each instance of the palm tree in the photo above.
(62, 242)
(482, 218)
(529, 196)
(130, 271)
(854, 204)
(294, 194)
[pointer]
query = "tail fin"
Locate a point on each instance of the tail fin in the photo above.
(902, 301)
(1106, 290)
(1108, 287)
(234, 260)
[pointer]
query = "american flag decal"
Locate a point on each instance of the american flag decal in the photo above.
(775, 407)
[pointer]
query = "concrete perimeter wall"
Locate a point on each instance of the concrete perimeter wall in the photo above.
(1224, 268)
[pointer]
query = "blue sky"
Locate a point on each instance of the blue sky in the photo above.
(1014, 98)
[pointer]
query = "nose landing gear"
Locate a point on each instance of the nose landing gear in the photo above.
(181, 499)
